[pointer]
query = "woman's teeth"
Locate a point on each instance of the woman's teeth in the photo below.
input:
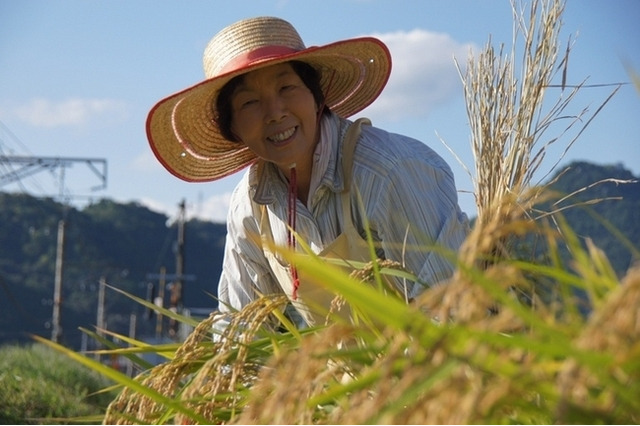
(282, 136)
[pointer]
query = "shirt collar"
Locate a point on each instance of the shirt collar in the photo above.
(266, 180)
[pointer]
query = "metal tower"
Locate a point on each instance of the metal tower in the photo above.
(28, 165)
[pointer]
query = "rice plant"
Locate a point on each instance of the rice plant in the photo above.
(488, 347)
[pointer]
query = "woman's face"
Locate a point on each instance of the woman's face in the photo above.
(275, 114)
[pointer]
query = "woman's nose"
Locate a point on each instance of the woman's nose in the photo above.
(275, 109)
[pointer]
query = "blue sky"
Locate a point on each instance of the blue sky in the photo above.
(78, 77)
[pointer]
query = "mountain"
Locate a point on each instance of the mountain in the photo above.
(605, 207)
(128, 244)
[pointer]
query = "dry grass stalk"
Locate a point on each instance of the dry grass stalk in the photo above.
(457, 389)
(462, 390)
(510, 118)
(504, 111)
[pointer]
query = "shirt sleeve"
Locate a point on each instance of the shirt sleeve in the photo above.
(416, 215)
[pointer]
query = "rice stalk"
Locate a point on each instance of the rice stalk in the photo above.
(463, 363)
(612, 390)
(219, 370)
(502, 109)
(510, 119)
(131, 407)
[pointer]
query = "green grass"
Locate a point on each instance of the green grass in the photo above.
(39, 385)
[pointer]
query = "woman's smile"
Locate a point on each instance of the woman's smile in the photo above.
(282, 137)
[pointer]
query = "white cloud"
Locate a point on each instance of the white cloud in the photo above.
(70, 112)
(158, 207)
(146, 162)
(423, 74)
(214, 208)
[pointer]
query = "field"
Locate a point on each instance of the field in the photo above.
(514, 337)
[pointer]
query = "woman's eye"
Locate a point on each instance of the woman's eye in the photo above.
(248, 103)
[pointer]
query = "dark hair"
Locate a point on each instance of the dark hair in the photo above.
(223, 112)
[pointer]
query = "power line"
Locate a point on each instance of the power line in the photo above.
(29, 165)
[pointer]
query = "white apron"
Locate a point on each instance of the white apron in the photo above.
(313, 301)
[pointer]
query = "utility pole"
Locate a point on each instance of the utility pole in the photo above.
(101, 323)
(56, 324)
(177, 300)
(56, 329)
(133, 318)
(160, 301)
(176, 289)
(176, 280)
(28, 165)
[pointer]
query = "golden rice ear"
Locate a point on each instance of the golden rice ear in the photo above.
(613, 329)
(134, 407)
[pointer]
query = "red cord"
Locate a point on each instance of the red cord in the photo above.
(291, 238)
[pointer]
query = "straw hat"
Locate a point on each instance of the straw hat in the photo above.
(181, 128)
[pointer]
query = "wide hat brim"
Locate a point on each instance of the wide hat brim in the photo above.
(186, 140)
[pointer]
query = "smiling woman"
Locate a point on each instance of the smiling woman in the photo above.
(275, 114)
(315, 177)
(72, 49)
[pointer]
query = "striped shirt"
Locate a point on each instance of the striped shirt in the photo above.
(407, 192)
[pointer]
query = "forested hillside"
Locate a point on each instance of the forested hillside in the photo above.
(128, 243)
(124, 243)
(603, 203)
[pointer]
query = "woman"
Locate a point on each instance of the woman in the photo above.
(280, 108)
